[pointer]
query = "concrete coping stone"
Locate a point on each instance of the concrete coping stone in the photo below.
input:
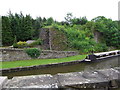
(33, 81)
(3, 80)
(73, 79)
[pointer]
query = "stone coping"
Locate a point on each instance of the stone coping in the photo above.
(99, 79)
(3, 80)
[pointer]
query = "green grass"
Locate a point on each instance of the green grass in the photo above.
(23, 63)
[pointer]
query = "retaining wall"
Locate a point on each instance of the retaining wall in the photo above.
(19, 54)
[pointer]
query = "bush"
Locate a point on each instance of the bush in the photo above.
(33, 52)
(37, 42)
(100, 47)
(22, 44)
(15, 45)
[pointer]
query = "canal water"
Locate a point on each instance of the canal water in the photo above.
(83, 66)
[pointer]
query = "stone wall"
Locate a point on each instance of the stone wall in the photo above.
(106, 79)
(19, 54)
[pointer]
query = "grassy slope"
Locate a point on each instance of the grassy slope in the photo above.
(22, 63)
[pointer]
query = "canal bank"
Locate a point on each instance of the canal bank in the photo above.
(65, 68)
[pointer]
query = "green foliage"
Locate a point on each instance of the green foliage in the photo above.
(37, 42)
(81, 38)
(22, 44)
(7, 35)
(37, 24)
(49, 21)
(21, 27)
(79, 21)
(15, 40)
(100, 47)
(109, 29)
(79, 31)
(33, 52)
(70, 20)
(76, 38)
(15, 45)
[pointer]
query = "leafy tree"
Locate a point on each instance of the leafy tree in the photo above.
(49, 21)
(69, 18)
(79, 21)
(109, 29)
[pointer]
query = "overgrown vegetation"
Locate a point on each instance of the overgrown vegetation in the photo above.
(21, 44)
(79, 31)
(24, 44)
(35, 43)
(81, 39)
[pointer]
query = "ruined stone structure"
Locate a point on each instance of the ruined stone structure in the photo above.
(98, 36)
(44, 36)
(53, 39)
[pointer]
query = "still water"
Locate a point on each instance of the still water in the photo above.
(104, 64)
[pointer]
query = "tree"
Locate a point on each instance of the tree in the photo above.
(69, 18)
(28, 29)
(37, 24)
(109, 29)
(7, 35)
(49, 21)
(21, 26)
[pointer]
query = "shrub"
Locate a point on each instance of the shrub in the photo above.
(37, 42)
(100, 47)
(22, 44)
(15, 39)
(15, 45)
(33, 52)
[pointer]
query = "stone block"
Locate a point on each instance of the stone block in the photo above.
(3, 80)
(36, 81)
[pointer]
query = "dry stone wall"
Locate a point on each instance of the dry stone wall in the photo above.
(19, 54)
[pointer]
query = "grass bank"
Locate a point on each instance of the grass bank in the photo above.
(23, 63)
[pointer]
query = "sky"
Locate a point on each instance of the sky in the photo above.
(59, 8)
